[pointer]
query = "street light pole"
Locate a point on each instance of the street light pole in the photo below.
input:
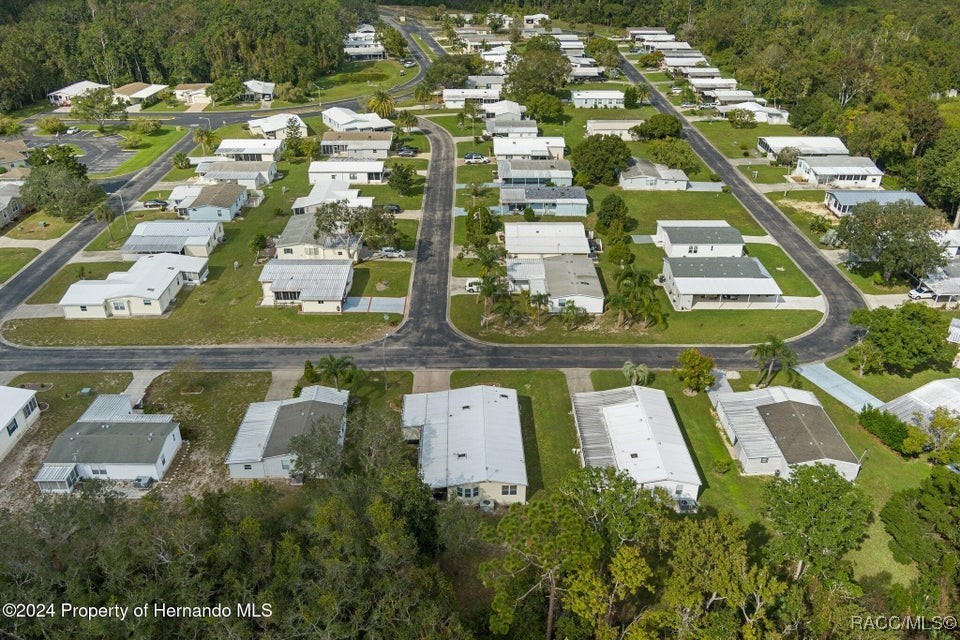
(209, 124)
(386, 318)
(123, 209)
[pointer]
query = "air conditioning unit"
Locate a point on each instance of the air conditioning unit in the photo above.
(487, 505)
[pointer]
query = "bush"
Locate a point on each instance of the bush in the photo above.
(619, 254)
(714, 177)
(722, 466)
(132, 141)
(145, 126)
(819, 224)
(529, 215)
(51, 124)
(890, 429)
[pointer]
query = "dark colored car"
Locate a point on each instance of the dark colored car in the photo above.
(155, 204)
(392, 208)
(406, 152)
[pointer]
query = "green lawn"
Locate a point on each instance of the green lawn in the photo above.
(738, 494)
(950, 111)
(796, 206)
(646, 207)
(180, 175)
(719, 326)
(225, 308)
(163, 107)
(315, 126)
(573, 126)
(490, 198)
(700, 174)
(546, 419)
(423, 46)
(868, 279)
(55, 287)
(121, 228)
(381, 278)
(408, 229)
(766, 174)
(888, 386)
(208, 420)
(13, 259)
(418, 164)
(657, 76)
(385, 194)
(32, 109)
(466, 268)
(468, 146)
(734, 142)
(467, 173)
(792, 281)
(449, 122)
(152, 148)
(361, 79)
(416, 140)
(40, 226)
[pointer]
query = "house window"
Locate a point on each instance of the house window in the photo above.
(30, 407)
(248, 467)
(764, 460)
(147, 303)
(468, 492)
(98, 471)
(288, 252)
(693, 249)
(679, 490)
(284, 464)
(119, 306)
(353, 177)
(12, 427)
(508, 490)
(312, 251)
(83, 307)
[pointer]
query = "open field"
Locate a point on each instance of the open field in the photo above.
(381, 278)
(740, 143)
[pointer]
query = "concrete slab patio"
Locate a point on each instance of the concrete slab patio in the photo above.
(375, 304)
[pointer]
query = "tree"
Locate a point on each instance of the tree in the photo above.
(881, 135)
(490, 259)
(676, 154)
(60, 155)
(145, 126)
(293, 137)
(643, 93)
(406, 120)
(599, 159)
(336, 368)
(541, 69)
(613, 210)
(544, 107)
(816, 516)
(381, 103)
(423, 93)
(604, 51)
(657, 127)
(924, 124)
(631, 98)
(448, 72)
(103, 213)
(741, 119)
(787, 157)
(572, 316)
(51, 124)
(9, 126)
(922, 523)
(99, 105)
(636, 374)
(695, 370)
(225, 89)
(180, 160)
(866, 356)
(317, 453)
(392, 40)
(910, 337)
(258, 244)
(942, 428)
(770, 355)
(539, 302)
(131, 141)
(402, 177)
(206, 138)
(900, 237)
(57, 190)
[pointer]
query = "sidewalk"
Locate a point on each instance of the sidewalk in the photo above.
(282, 382)
(837, 386)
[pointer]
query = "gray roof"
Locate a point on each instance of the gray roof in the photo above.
(716, 268)
(302, 229)
(856, 196)
(804, 432)
(237, 169)
(533, 168)
(641, 167)
(314, 279)
(268, 427)
(114, 442)
(703, 235)
(218, 195)
(571, 275)
(537, 193)
(840, 162)
(505, 125)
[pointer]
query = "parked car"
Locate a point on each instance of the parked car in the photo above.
(920, 293)
(143, 482)
(155, 204)
(708, 105)
(475, 158)
(676, 91)
(473, 286)
(71, 130)
(409, 63)
(406, 152)
(392, 252)
(392, 208)
(688, 105)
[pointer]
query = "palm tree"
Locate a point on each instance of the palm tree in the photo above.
(381, 103)
(774, 353)
(406, 120)
(643, 92)
(204, 137)
(509, 312)
(423, 94)
(337, 368)
(540, 302)
(571, 315)
(636, 374)
(623, 303)
(489, 258)
(490, 289)
(103, 213)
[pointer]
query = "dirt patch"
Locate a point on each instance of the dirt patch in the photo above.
(816, 208)
(382, 285)
(37, 386)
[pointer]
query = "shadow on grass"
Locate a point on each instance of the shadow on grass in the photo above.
(530, 451)
(361, 278)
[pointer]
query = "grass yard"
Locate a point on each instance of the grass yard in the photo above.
(883, 473)
(700, 174)
(32, 109)
(381, 278)
(467, 173)
(733, 143)
(385, 194)
(424, 47)
(868, 279)
(120, 229)
(799, 206)
(465, 199)
(418, 164)
(792, 281)
(466, 268)
(361, 79)
(888, 386)
(766, 174)
(153, 147)
(449, 122)
(14, 259)
(573, 126)
(315, 126)
(646, 207)
(469, 146)
(545, 417)
(710, 326)
(416, 140)
(729, 491)
(180, 175)
(408, 228)
(225, 308)
(164, 107)
(657, 76)
(40, 226)
(55, 287)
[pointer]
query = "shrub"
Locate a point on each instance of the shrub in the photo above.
(619, 254)
(819, 224)
(722, 466)
(890, 429)
(714, 177)
(132, 141)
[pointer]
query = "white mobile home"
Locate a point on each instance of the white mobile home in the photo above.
(544, 201)
(535, 172)
(545, 239)
(315, 286)
(275, 127)
(327, 192)
(214, 203)
(368, 145)
(565, 279)
(252, 175)
(841, 203)
(18, 412)
(849, 172)
(770, 146)
(349, 171)
(458, 98)
(538, 148)
(300, 241)
(64, 97)
(691, 281)
(698, 238)
(342, 119)
(257, 91)
(511, 127)
(597, 99)
(619, 128)
(761, 113)
(197, 239)
(643, 175)
(245, 150)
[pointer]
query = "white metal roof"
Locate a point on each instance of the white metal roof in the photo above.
(346, 119)
(346, 166)
(953, 333)
(923, 400)
(477, 93)
(468, 436)
(173, 233)
(832, 165)
(528, 270)
(721, 276)
(641, 167)
(601, 126)
(145, 92)
(673, 62)
(545, 238)
(602, 94)
(739, 411)
(259, 86)
(633, 429)
(537, 169)
(752, 107)
(55, 472)
(332, 191)
(503, 107)
(712, 83)
(11, 400)
(807, 145)
(77, 88)
(252, 145)
(148, 278)
(314, 279)
(858, 196)
(538, 146)
(233, 170)
(276, 122)
(118, 407)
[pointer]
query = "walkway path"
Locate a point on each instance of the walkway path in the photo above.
(427, 380)
(35, 311)
(837, 386)
(578, 380)
(141, 380)
(282, 382)
(15, 243)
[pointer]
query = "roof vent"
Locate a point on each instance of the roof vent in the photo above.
(503, 395)
(465, 407)
(461, 456)
(634, 455)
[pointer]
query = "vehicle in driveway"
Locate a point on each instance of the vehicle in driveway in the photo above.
(688, 105)
(155, 204)
(406, 152)
(473, 286)
(475, 158)
(393, 252)
(409, 63)
(392, 208)
(920, 293)
(71, 130)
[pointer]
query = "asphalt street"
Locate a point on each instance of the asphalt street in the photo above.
(425, 339)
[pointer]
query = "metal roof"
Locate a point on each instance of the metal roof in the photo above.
(118, 406)
(12, 400)
(855, 196)
(218, 195)
(674, 62)
(252, 145)
(923, 400)
(546, 237)
(115, 442)
(536, 169)
(314, 279)
(643, 168)
(706, 234)
(739, 412)
(347, 119)
(537, 193)
(477, 93)
(528, 270)
(807, 145)
(276, 122)
(77, 88)
(148, 278)
(302, 229)
(502, 125)
(259, 86)
(170, 236)
(345, 166)
(633, 429)
(840, 164)
(595, 94)
(54, 472)
(953, 333)
(268, 427)
(712, 83)
(568, 275)
(332, 191)
(140, 90)
(468, 436)
(238, 170)
(612, 125)
(539, 146)
(944, 281)
(721, 276)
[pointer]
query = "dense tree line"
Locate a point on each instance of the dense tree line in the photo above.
(45, 45)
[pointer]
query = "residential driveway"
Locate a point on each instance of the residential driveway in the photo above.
(35, 311)
(709, 187)
(808, 303)
(375, 304)
(282, 382)
(837, 386)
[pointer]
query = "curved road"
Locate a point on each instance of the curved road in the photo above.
(425, 339)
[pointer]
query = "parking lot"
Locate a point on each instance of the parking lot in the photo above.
(101, 154)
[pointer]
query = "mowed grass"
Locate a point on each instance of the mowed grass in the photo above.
(40, 226)
(152, 147)
(468, 173)
(55, 287)
(546, 419)
(180, 175)
(573, 125)
(766, 173)
(887, 386)
(14, 259)
(385, 194)
(226, 308)
(734, 142)
(361, 79)
(120, 229)
(470, 146)
(208, 419)
(646, 207)
(792, 281)
(868, 278)
(643, 150)
(720, 326)
(883, 473)
(728, 491)
(381, 278)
